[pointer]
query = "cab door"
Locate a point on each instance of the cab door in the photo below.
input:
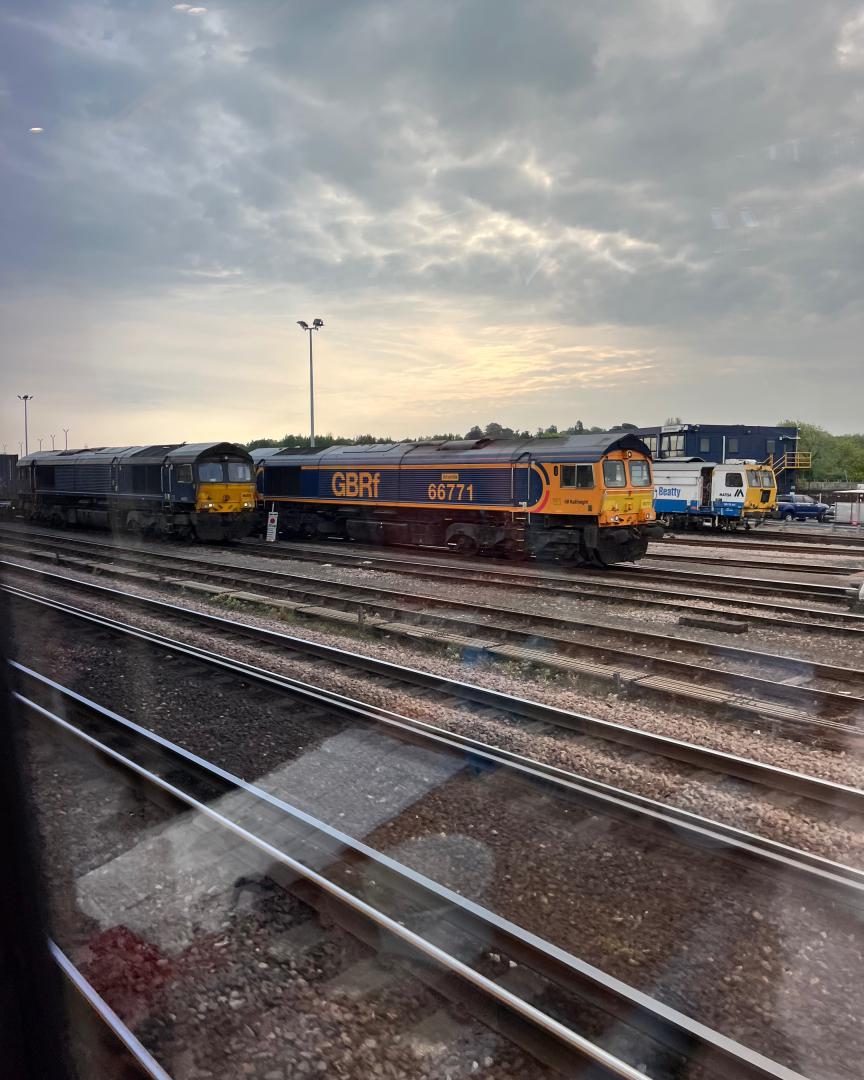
(167, 477)
(727, 490)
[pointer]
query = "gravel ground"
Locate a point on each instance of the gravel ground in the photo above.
(784, 568)
(790, 640)
(621, 899)
(758, 962)
(730, 553)
(799, 824)
(808, 644)
(804, 644)
(271, 994)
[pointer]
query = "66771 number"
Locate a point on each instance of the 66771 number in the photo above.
(451, 492)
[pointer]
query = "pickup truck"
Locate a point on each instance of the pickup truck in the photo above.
(799, 508)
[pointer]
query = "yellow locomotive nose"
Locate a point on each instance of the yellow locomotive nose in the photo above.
(225, 498)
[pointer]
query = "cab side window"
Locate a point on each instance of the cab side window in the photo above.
(613, 474)
(184, 474)
(734, 479)
(577, 476)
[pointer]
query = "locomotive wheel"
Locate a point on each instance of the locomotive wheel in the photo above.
(466, 545)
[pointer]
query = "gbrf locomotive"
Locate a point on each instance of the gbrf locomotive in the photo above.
(204, 491)
(588, 498)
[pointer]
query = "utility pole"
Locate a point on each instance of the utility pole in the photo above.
(66, 436)
(25, 398)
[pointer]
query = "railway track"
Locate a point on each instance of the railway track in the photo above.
(619, 574)
(826, 715)
(588, 585)
(669, 559)
(798, 542)
(478, 572)
(108, 1030)
(432, 923)
(786, 782)
(604, 583)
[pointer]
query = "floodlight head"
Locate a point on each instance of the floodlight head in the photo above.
(302, 324)
(318, 323)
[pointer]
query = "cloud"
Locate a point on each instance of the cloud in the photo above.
(673, 187)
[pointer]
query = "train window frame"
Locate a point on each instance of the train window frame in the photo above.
(579, 473)
(204, 479)
(614, 483)
(768, 480)
(183, 474)
(46, 477)
(641, 464)
(246, 479)
(730, 480)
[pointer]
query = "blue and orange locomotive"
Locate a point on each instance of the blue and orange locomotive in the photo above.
(587, 498)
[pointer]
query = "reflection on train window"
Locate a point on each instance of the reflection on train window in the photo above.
(210, 472)
(239, 471)
(184, 474)
(734, 479)
(640, 474)
(577, 476)
(767, 478)
(613, 474)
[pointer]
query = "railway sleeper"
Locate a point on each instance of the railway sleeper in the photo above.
(624, 679)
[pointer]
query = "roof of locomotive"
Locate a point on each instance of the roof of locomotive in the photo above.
(577, 448)
(173, 453)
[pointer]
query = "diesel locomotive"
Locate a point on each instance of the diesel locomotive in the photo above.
(202, 491)
(587, 498)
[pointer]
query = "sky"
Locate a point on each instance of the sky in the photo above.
(528, 213)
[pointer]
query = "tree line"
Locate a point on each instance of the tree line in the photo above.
(490, 431)
(835, 457)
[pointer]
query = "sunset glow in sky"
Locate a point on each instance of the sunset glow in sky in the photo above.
(529, 213)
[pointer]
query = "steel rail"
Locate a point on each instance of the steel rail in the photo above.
(579, 574)
(688, 673)
(800, 544)
(767, 775)
(671, 559)
(770, 776)
(659, 1022)
(364, 598)
(597, 586)
(141, 1055)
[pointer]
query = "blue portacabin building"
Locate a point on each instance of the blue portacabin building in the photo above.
(775, 446)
